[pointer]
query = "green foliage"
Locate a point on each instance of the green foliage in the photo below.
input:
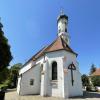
(89, 88)
(95, 80)
(14, 71)
(8, 77)
(8, 83)
(3, 86)
(85, 80)
(5, 54)
(93, 69)
(4, 75)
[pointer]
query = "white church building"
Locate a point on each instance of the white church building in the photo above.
(54, 70)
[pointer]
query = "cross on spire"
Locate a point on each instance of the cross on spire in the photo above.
(72, 67)
(62, 12)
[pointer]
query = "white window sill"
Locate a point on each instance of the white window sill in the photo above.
(54, 81)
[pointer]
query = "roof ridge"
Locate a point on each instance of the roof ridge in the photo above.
(51, 44)
(67, 46)
(33, 57)
(45, 48)
(60, 45)
(39, 51)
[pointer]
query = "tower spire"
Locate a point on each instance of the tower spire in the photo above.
(62, 22)
(61, 12)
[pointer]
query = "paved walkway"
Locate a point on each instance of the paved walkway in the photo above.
(12, 95)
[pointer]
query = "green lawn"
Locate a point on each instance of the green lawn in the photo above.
(3, 86)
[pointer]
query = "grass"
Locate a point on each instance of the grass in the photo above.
(3, 86)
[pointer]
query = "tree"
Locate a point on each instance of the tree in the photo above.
(14, 71)
(85, 80)
(92, 69)
(95, 80)
(5, 54)
(4, 75)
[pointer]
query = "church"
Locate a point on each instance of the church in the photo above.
(54, 70)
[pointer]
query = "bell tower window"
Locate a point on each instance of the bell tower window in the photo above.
(65, 29)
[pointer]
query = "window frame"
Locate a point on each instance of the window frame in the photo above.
(54, 77)
(31, 82)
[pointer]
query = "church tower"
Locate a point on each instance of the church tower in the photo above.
(62, 22)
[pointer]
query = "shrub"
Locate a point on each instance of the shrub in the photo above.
(9, 83)
(85, 80)
(95, 80)
(3, 87)
(88, 88)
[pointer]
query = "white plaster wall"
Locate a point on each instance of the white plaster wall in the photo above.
(76, 89)
(26, 67)
(45, 79)
(63, 89)
(52, 90)
(28, 74)
(69, 59)
(30, 64)
(18, 85)
(26, 88)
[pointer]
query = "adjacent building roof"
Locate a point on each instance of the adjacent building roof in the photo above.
(58, 44)
(97, 72)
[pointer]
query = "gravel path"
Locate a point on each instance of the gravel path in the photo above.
(12, 95)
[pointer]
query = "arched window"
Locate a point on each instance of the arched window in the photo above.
(54, 70)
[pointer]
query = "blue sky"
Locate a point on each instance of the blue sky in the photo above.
(31, 24)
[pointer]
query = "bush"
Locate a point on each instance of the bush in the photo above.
(95, 80)
(91, 88)
(88, 88)
(3, 87)
(85, 80)
(9, 83)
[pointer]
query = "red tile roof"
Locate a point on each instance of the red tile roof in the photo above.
(97, 72)
(58, 44)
